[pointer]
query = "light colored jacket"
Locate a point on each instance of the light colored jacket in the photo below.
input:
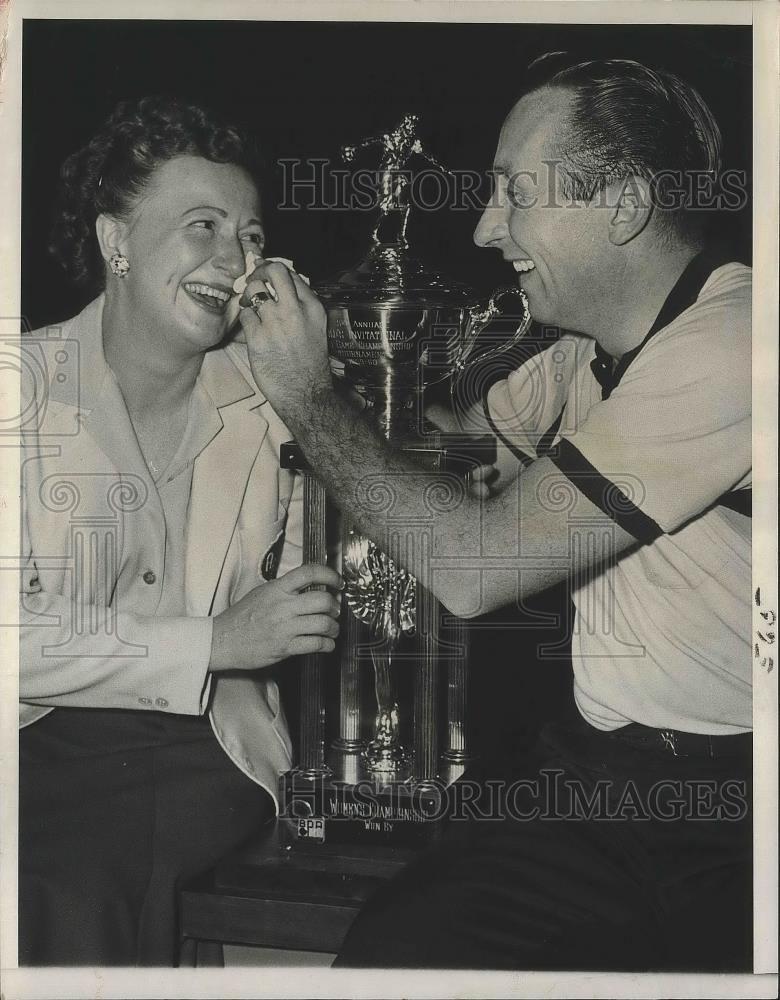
(94, 535)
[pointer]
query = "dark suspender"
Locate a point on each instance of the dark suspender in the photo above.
(681, 297)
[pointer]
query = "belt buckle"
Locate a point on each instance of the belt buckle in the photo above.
(669, 741)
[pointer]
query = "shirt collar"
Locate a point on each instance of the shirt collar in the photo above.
(607, 370)
(225, 373)
(203, 425)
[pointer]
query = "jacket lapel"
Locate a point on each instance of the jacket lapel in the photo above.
(102, 415)
(109, 426)
(221, 471)
(221, 474)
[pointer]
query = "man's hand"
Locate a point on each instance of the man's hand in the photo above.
(286, 340)
(482, 479)
(277, 620)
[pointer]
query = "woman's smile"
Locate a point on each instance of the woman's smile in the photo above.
(210, 297)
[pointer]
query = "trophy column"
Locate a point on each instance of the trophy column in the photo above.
(349, 739)
(457, 750)
(312, 719)
(426, 707)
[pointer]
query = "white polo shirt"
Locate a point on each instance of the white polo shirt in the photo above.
(662, 637)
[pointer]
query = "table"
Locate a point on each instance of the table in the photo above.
(298, 898)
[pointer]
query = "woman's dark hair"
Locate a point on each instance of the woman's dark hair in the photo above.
(110, 172)
(628, 119)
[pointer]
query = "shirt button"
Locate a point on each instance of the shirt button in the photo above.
(149, 577)
(161, 703)
(144, 701)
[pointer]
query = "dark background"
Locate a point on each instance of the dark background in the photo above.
(306, 89)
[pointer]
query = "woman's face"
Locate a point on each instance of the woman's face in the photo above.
(186, 240)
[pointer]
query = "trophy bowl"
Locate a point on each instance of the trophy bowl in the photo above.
(397, 327)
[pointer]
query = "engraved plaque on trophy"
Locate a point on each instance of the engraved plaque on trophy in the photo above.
(384, 725)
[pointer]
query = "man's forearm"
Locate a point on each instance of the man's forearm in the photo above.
(474, 555)
(411, 513)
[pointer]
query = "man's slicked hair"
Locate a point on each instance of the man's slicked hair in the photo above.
(629, 120)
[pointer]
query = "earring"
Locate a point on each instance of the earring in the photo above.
(119, 264)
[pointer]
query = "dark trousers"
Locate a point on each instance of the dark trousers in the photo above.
(115, 808)
(608, 855)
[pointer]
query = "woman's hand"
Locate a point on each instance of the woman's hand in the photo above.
(286, 339)
(277, 620)
(482, 481)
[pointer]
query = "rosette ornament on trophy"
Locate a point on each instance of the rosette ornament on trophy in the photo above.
(396, 327)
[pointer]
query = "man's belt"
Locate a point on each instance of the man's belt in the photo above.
(680, 744)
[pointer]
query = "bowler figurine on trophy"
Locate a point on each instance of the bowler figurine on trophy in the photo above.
(395, 328)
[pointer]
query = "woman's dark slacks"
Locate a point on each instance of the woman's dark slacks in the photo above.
(115, 808)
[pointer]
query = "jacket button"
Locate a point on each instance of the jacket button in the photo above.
(144, 701)
(149, 577)
(161, 703)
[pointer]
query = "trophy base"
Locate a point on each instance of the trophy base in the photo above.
(351, 804)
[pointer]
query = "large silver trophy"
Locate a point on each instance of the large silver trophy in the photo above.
(396, 327)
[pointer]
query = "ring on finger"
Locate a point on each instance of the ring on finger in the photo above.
(272, 293)
(258, 298)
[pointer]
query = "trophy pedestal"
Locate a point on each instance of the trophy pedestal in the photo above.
(365, 775)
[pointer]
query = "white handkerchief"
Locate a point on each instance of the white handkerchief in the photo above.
(239, 285)
(251, 262)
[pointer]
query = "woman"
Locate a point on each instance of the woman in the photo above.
(160, 537)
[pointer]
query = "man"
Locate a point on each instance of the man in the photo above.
(631, 477)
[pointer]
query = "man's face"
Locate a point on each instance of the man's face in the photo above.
(553, 244)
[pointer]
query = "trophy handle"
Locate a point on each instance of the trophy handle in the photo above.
(479, 317)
